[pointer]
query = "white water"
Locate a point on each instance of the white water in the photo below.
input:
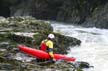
(94, 46)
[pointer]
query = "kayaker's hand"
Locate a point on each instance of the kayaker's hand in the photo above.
(54, 60)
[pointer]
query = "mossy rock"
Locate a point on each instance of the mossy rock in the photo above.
(41, 28)
(25, 24)
(63, 42)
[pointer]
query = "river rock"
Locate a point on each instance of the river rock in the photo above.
(30, 31)
(13, 34)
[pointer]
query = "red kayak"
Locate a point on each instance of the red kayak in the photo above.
(42, 54)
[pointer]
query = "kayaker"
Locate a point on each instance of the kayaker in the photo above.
(47, 45)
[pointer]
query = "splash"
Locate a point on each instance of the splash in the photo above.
(94, 46)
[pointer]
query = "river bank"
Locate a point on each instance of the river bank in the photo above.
(13, 32)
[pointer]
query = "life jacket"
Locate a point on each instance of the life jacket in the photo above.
(43, 45)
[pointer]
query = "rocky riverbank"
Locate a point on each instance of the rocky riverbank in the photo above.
(30, 31)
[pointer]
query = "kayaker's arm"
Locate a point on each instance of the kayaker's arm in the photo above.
(50, 49)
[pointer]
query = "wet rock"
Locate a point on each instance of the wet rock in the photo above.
(25, 24)
(4, 45)
(5, 66)
(81, 64)
(23, 57)
(3, 20)
(63, 42)
(9, 56)
(62, 66)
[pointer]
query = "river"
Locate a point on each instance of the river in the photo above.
(94, 46)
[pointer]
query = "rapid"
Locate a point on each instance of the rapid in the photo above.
(93, 48)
